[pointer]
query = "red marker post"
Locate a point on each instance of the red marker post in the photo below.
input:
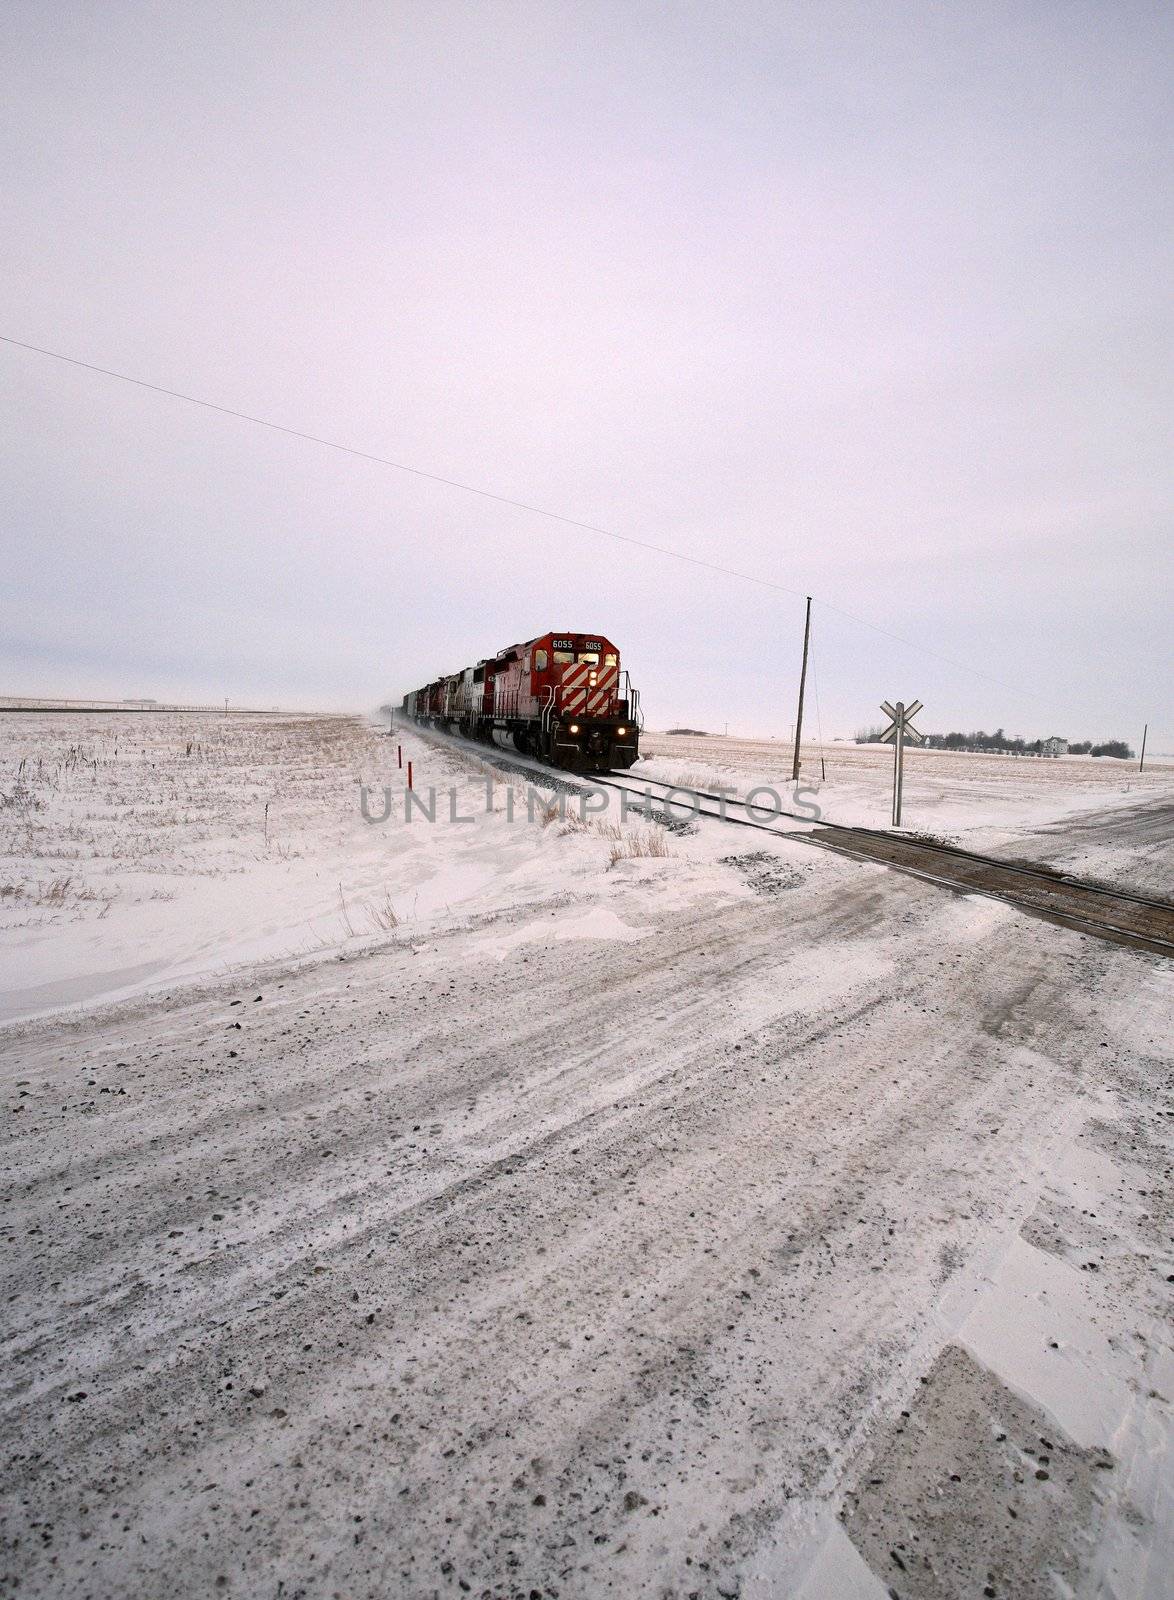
(409, 774)
(399, 755)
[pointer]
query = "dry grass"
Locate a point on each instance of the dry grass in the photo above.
(382, 915)
(693, 779)
(650, 843)
(84, 799)
(379, 915)
(633, 846)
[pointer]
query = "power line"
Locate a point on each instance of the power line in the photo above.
(818, 718)
(399, 466)
(488, 494)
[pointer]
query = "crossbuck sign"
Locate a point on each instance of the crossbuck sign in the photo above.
(899, 729)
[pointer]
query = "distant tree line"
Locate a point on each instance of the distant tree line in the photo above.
(999, 744)
(1111, 747)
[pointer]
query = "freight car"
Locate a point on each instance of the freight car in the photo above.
(562, 698)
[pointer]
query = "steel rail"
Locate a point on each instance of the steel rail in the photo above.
(1024, 869)
(1065, 918)
(1059, 882)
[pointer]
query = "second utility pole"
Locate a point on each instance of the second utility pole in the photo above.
(802, 686)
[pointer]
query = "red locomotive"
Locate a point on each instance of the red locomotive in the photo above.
(562, 698)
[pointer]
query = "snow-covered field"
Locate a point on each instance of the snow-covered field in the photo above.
(1066, 809)
(142, 850)
(496, 1207)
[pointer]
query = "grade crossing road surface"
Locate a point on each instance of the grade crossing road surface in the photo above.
(507, 1264)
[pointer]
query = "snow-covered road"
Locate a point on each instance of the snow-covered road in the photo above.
(809, 1242)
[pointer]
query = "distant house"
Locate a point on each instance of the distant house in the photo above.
(1055, 746)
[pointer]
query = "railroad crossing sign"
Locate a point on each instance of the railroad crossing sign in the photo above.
(899, 716)
(899, 729)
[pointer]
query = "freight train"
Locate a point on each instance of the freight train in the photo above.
(561, 698)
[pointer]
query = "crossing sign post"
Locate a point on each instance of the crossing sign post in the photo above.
(899, 729)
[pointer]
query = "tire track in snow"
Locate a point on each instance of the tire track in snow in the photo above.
(648, 1281)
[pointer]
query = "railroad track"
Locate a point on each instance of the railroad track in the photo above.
(1118, 915)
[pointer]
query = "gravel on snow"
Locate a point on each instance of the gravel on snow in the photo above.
(582, 1267)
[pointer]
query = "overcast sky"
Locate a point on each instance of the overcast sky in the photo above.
(869, 300)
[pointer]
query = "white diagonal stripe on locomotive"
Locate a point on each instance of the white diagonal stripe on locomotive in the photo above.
(574, 702)
(598, 704)
(575, 674)
(605, 684)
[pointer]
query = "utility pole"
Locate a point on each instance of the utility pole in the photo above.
(802, 687)
(1141, 763)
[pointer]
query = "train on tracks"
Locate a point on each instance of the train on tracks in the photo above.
(562, 698)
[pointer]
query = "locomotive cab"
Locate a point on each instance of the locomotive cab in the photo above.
(588, 721)
(563, 698)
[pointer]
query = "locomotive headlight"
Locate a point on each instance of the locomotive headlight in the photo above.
(621, 732)
(574, 728)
